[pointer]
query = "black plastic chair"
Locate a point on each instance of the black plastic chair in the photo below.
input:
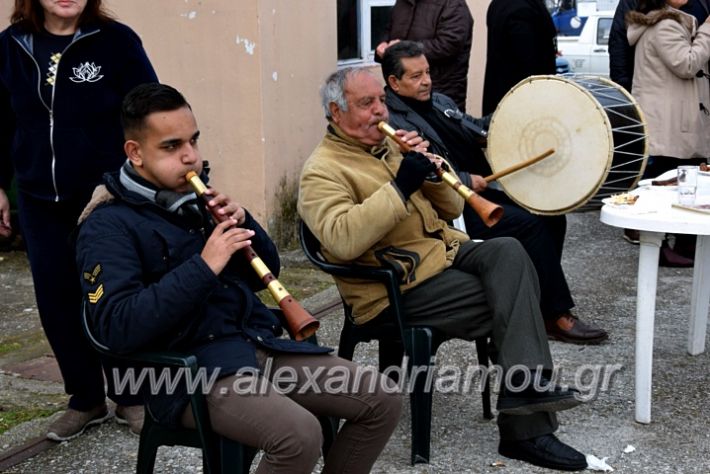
(219, 454)
(395, 339)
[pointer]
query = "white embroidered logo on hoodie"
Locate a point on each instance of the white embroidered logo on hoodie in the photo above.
(86, 72)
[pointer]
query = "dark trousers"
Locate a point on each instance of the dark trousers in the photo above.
(491, 288)
(543, 239)
(46, 228)
(660, 164)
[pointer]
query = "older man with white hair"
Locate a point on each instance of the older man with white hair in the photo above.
(368, 204)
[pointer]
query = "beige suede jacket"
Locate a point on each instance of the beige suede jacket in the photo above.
(349, 202)
(670, 50)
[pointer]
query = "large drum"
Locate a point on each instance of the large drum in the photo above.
(595, 127)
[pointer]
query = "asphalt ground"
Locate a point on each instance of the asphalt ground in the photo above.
(601, 269)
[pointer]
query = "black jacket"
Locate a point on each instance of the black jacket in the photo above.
(445, 28)
(60, 150)
(521, 43)
(401, 116)
(621, 54)
(148, 288)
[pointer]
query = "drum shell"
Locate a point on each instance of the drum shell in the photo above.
(595, 127)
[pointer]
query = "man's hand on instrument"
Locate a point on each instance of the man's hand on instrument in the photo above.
(5, 226)
(223, 243)
(414, 140)
(478, 184)
(437, 160)
(225, 206)
(412, 172)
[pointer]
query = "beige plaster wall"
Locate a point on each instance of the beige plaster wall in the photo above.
(477, 63)
(251, 71)
(299, 49)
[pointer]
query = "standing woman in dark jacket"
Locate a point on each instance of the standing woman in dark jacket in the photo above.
(64, 69)
(521, 43)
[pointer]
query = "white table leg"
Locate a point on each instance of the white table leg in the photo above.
(700, 297)
(645, 313)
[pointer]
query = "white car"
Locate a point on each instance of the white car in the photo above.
(588, 53)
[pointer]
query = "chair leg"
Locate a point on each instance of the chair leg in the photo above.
(390, 354)
(147, 448)
(483, 360)
(346, 347)
(329, 427)
(420, 347)
(234, 457)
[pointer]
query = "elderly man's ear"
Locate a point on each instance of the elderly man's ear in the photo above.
(334, 112)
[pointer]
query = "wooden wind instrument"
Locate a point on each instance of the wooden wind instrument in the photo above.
(489, 212)
(300, 323)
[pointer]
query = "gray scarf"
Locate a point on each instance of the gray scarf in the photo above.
(183, 204)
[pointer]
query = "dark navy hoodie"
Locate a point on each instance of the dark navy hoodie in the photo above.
(60, 150)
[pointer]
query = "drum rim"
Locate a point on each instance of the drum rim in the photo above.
(567, 79)
(642, 120)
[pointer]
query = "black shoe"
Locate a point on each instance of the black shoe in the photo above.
(544, 451)
(552, 398)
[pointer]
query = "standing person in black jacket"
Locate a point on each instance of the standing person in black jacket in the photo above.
(521, 43)
(64, 69)
(445, 28)
(457, 137)
(170, 279)
(621, 54)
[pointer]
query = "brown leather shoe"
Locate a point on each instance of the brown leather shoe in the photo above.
(568, 328)
(668, 257)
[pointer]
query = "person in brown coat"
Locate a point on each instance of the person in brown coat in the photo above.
(445, 28)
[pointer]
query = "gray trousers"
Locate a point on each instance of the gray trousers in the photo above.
(491, 288)
(276, 411)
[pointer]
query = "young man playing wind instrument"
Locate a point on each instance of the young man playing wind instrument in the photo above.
(368, 204)
(160, 275)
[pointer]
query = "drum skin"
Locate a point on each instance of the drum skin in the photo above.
(595, 127)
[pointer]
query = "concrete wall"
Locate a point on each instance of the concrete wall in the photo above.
(251, 71)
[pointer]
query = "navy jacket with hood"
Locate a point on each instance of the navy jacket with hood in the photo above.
(148, 288)
(60, 150)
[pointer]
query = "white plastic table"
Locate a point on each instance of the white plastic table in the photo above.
(653, 215)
